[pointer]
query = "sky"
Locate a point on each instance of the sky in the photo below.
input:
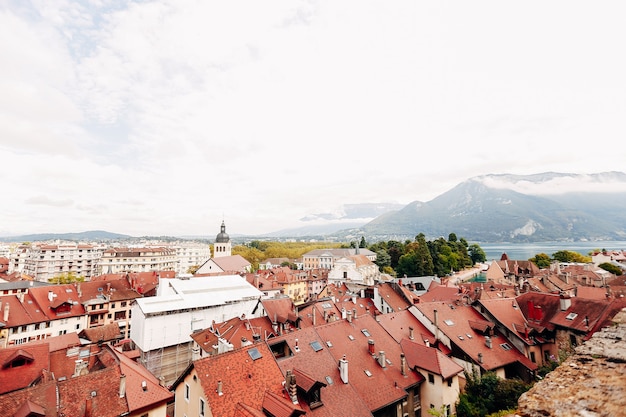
(169, 117)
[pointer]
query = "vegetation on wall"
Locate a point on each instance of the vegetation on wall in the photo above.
(489, 394)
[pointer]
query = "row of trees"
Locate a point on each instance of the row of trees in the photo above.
(422, 258)
(411, 258)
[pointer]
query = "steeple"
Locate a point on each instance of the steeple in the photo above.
(222, 245)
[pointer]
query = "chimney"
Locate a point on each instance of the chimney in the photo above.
(292, 387)
(21, 295)
(403, 364)
(382, 359)
(370, 346)
(245, 342)
(354, 313)
(144, 385)
(50, 296)
(566, 302)
(219, 388)
(343, 369)
(343, 313)
(411, 333)
(6, 312)
(349, 316)
(313, 312)
(480, 358)
(297, 348)
(88, 406)
(122, 386)
(354, 299)
(488, 342)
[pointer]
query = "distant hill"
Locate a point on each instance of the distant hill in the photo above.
(93, 235)
(514, 208)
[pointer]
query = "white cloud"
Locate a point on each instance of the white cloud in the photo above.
(161, 117)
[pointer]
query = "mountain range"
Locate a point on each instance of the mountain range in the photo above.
(513, 208)
(489, 208)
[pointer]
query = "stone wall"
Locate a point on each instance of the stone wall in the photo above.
(590, 383)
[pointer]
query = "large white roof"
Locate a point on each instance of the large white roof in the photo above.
(200, 292)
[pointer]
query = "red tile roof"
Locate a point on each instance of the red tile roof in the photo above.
(280, 310)
(21, 366)
(399, 325)
(395, 301)
(244, 379)
(377, 385)
(429, 359)
(142, 388)
(278, 406)
(454, 322)
(310, 365)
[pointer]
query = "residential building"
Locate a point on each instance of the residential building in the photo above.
(474, 342)
(108, 302)
(125, 260)
(40, 313)
(190, 255)
(39, 380)
(441, 387)
(162, 324)
(229, 335)
(270, 289)
(325, 258)
(45, 261)
(246, 379)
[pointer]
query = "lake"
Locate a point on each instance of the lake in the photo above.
(524, 251)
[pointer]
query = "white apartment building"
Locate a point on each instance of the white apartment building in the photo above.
(46, 261)
(122, 260)
(190, 254)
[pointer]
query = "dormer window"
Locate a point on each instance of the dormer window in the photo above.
(17, 359)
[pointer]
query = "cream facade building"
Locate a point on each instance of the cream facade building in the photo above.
(123, 260)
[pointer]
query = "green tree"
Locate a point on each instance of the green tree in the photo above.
(609, 267)
(488, 394)
(542, 260)
(362, 243)
(382, 259)
(476, 253)
(66, 278)
(570, 256)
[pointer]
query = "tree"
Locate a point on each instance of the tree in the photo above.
(66, 278)
(488, 394)
(613, 269)
(362, 244)
(382, 259)
(570, 256)
(542, 260)
(476, 253)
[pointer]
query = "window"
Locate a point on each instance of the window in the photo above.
(431, 378)
(201, 408)
(187, 392)
(532, 357)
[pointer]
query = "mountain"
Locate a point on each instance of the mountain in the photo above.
(93, 235)
(514, 208)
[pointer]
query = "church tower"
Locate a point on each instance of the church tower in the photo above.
(222, 245)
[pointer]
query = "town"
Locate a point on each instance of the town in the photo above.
(331, 335)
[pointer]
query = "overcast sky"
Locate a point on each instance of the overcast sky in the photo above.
(167, 117)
